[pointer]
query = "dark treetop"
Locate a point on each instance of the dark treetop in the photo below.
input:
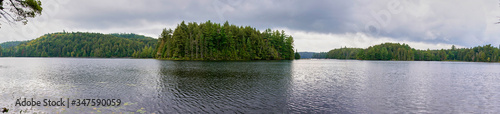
(213, 41)
(79, 44)
(403, 52)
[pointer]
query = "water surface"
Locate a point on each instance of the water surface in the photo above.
(300, 86)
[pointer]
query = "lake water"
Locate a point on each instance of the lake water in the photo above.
(299, 86)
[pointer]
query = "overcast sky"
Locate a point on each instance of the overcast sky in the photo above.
(318, 25)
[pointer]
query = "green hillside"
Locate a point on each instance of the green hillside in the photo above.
(191, 41)
(81, 44)
(403, 52)
(11, 43)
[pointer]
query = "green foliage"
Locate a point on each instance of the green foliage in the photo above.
(403, 52)
(20, 10)
(213, 41)
(321, 55)
(79, 44)
(145, 52)
(11, 43)
(297, 55)
(343, 53)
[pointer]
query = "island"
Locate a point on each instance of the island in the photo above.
(213, 41)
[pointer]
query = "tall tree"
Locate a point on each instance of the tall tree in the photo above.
(297, 55)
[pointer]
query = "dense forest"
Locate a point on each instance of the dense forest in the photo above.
(80, 44)
(403, 52)
(213, 41)
(191, 41)
(11, 43)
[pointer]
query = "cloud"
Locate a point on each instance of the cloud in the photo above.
(424, 22)
(321, 42)
(443, 21)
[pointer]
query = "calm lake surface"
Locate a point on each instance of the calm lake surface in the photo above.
(299, 86)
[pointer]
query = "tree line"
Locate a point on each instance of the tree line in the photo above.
(213, 41)
(12, 43)
(80, 44)
(191, 41)
(403, 52)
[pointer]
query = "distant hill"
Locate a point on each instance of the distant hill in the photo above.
(130, 35)
(403, 52)
(82, 44)
(11, 43)
(306, 55)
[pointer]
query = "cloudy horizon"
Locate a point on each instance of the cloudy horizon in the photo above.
(317, 26)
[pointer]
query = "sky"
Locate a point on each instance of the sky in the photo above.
(316, 25)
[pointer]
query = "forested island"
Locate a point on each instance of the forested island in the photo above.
(213, 41)
(403, 52)
(82, 44)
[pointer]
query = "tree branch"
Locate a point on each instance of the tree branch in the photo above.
(14, 5)
(6, 16)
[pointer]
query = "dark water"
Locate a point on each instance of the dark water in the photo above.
(300, 86)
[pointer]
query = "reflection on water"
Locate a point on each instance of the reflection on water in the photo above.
(224, 87)
(148, 85)
(350, 86)
(300, 86)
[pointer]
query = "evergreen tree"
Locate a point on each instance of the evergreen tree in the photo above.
(79, 44)
(213, 41)
(403, 52)
(297, 55)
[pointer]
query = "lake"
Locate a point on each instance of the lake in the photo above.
(299, 86)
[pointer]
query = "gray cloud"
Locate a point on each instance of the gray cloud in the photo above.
(461, 22)
(303, 15)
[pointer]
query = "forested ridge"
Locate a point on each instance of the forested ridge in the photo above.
(403, 52)
(213, 41)
(83, 44)
(11, 43)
